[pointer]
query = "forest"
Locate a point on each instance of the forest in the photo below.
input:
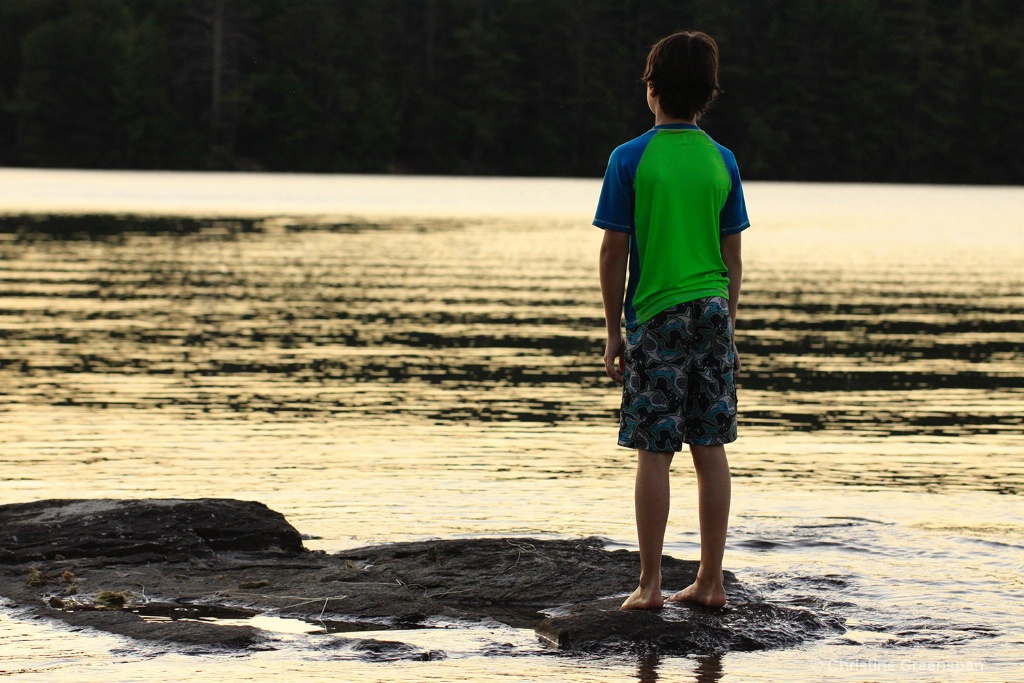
(917, 91)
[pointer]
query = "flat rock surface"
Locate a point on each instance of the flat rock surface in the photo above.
(140, 530)
(113, 565)
(518, 571)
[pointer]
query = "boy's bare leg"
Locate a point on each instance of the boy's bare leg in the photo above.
(651, 499)
(714, 489)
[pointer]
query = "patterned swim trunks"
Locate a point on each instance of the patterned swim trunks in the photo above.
(679, 381)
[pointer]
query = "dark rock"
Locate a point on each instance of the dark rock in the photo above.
(518, 571)
(230, 555)
(178, 632)
(373, 650)
(680, 628)
(140, 530)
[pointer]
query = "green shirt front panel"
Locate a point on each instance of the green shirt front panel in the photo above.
(681, 186)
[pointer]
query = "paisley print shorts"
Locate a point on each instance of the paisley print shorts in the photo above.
(679, 382)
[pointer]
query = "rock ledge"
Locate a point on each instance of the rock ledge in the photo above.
(112, 564)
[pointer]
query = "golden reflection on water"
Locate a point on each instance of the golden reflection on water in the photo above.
(413, 328)
(411, 378)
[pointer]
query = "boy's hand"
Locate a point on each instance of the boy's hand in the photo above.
(738, 365)
(615, 358)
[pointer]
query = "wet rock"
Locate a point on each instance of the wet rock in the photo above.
(178, 632)
(232, 555)
(374, 650)
(140, 530)
(680, 628)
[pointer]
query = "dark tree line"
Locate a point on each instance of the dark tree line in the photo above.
(841, 90)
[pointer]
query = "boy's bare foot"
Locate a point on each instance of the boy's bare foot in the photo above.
(709, 596)
(644, 599)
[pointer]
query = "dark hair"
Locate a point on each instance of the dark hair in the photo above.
(682, 71)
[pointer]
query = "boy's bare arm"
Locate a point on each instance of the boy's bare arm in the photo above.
(732, 256)
(614, 256)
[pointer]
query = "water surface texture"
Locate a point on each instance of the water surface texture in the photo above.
(381, 369)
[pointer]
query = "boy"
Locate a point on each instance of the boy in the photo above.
(672, 208)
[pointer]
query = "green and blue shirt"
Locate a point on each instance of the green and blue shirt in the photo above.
(676, 192)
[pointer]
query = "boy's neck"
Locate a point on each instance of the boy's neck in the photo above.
(661, 119)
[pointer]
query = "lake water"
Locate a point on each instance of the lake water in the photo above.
(398, 358)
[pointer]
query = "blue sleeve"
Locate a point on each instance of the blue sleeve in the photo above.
(615, 207)
(733, 217)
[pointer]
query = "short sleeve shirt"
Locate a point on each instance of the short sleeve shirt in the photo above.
(676, 192)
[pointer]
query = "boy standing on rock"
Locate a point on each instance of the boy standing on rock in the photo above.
(672, 209)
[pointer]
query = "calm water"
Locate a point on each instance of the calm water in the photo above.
(404, 358)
